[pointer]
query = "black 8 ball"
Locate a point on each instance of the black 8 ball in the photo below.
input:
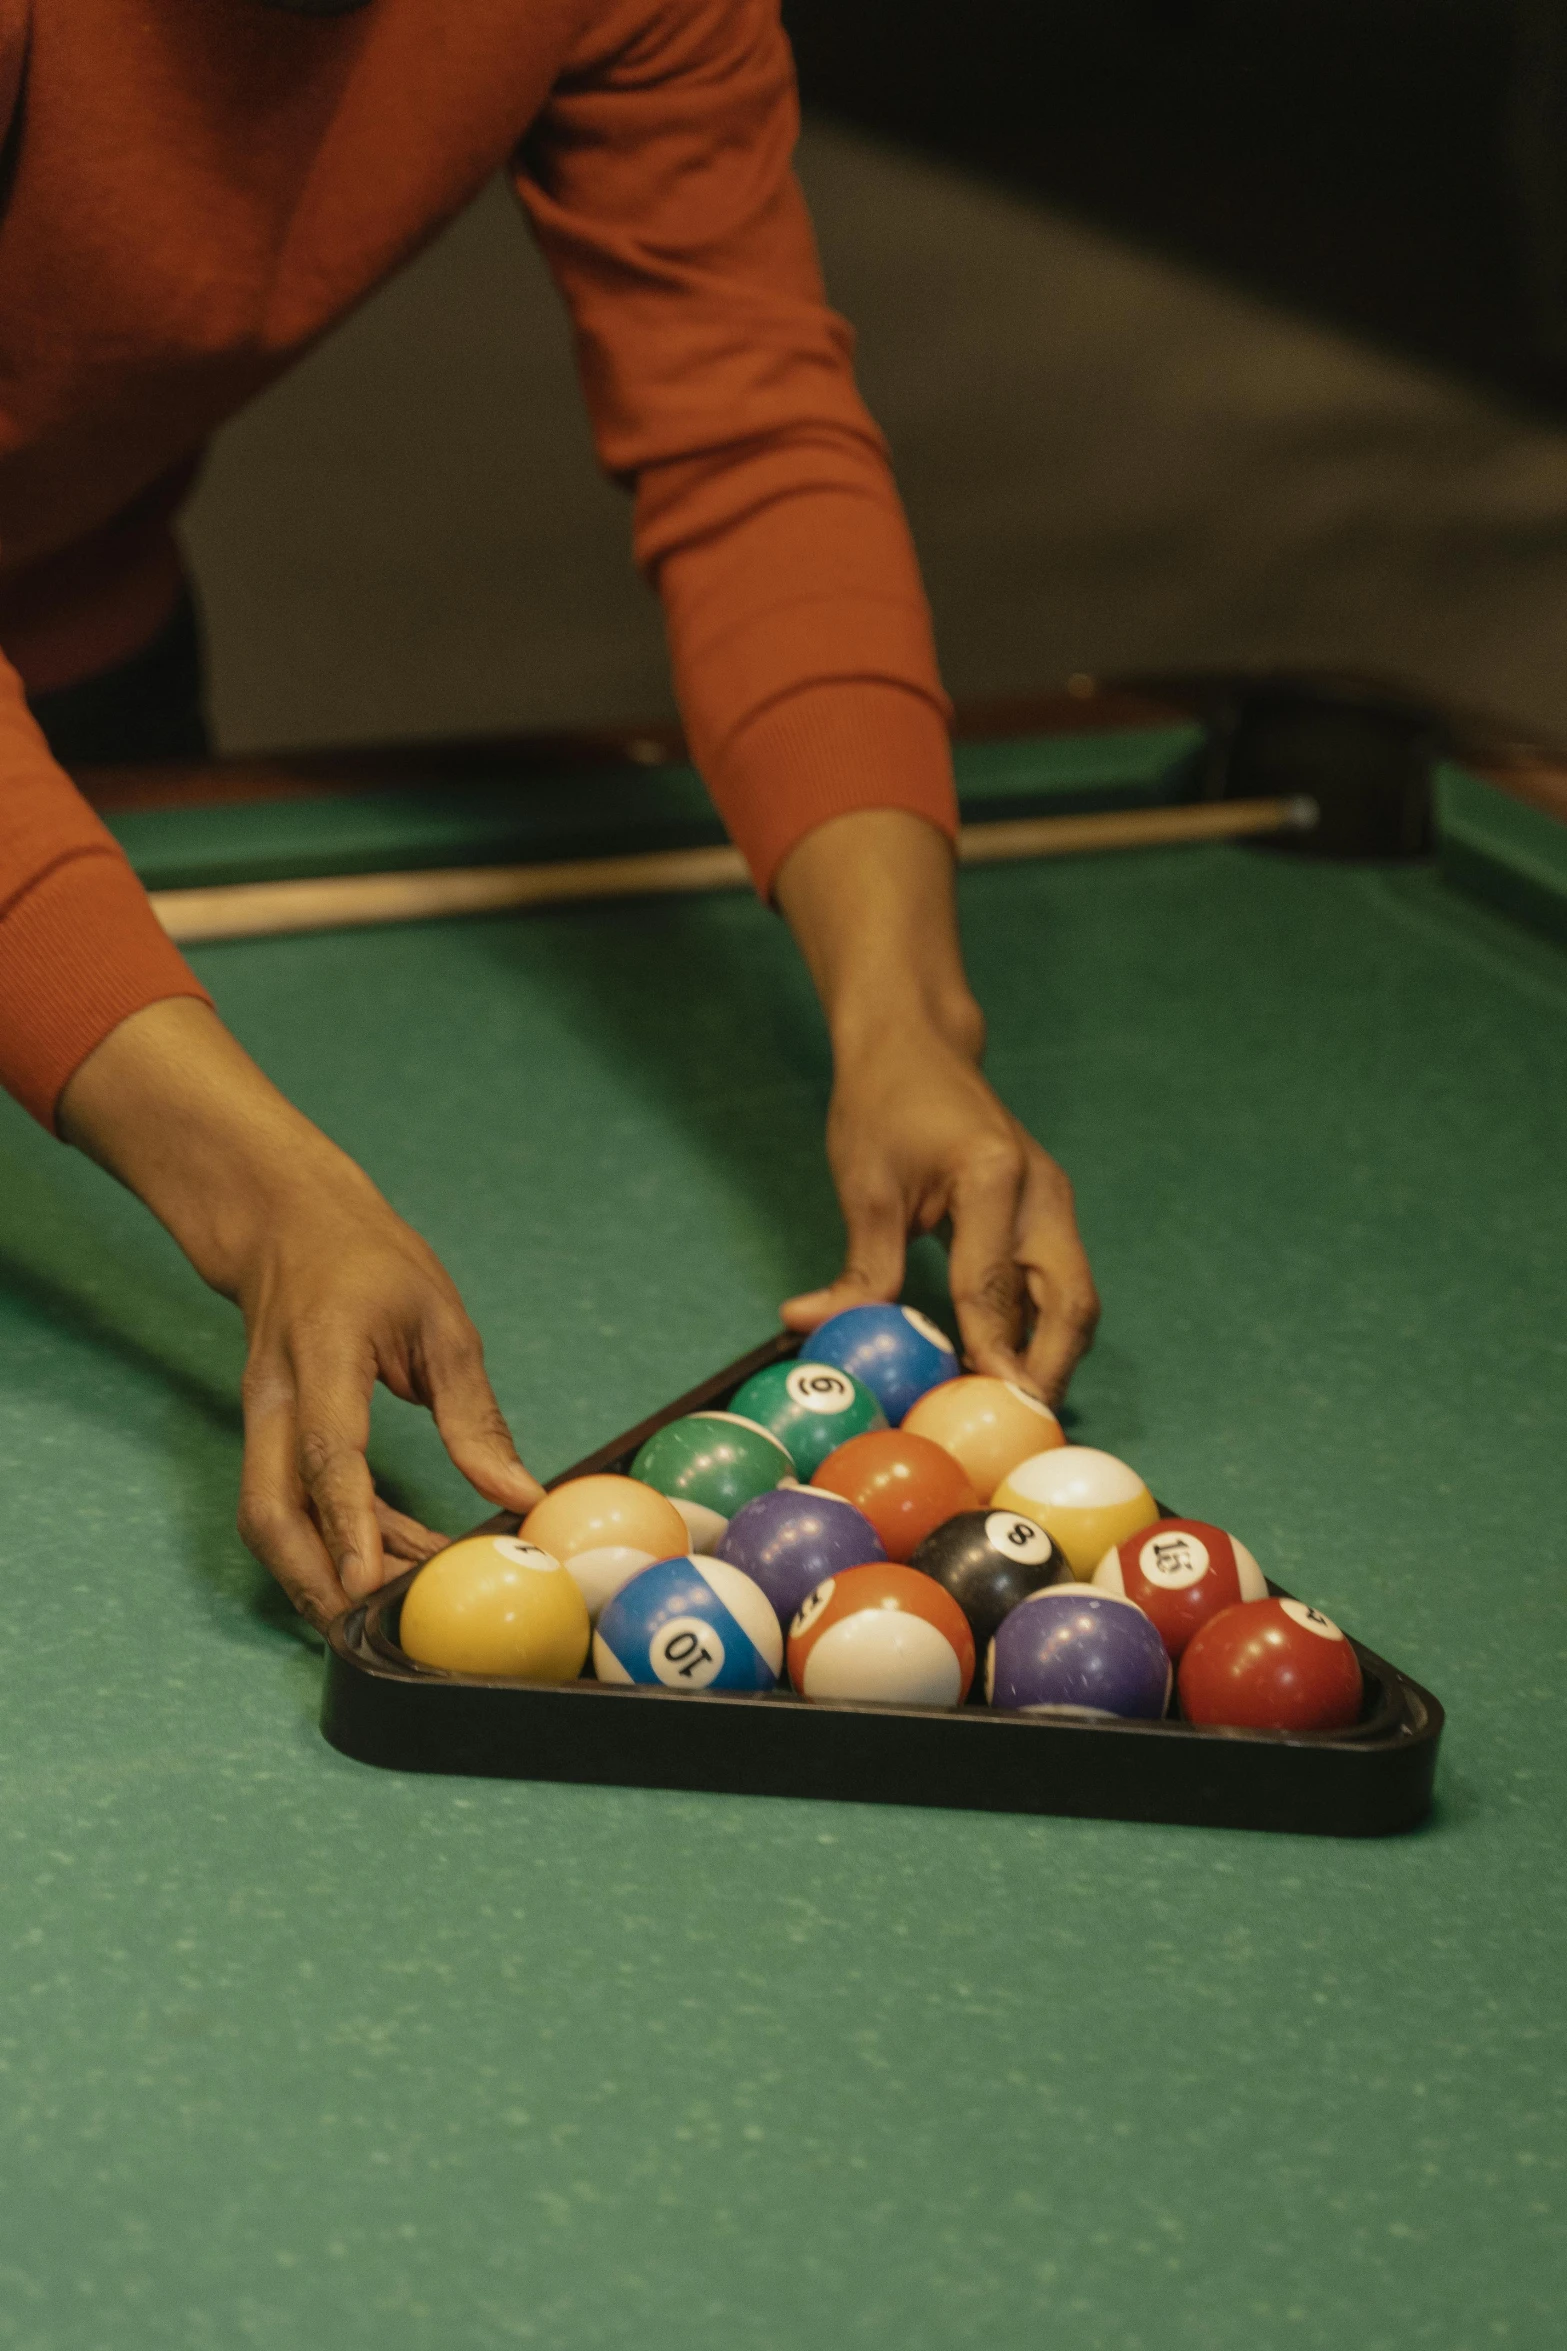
(989, 1560)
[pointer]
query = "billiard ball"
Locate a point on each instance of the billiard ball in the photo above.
(497, 1606)
(897, 1351)
(1070, 1647)
(882, 1632)
(1181, 1571)
(811, 1408)
(603, 1529)
(598, 1575)
(1271, 1665)
(709, 1463)
(989, 1560)
(691, 1624)
(904, 1485)
(787, 1541)
(987, 1425)
(1087, 1499)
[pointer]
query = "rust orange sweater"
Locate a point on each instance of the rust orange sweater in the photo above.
(196, 189)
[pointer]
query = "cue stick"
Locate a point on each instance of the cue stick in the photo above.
(260, 910)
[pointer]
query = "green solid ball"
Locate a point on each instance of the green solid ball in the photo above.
(811, 1408)
(708, 1464)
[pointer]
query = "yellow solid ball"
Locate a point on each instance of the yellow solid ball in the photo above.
(496, 1606)
(1088, 1500)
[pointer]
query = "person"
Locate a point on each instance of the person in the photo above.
(194, 195)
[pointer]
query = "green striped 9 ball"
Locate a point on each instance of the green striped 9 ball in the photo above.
(709, 1463)
(811, 1408)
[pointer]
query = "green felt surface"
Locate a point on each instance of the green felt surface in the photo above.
(492, 819)
(293, 2053)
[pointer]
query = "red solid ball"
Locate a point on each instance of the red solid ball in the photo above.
(905, 1485)
(1271, 1665)
(1180, 1572)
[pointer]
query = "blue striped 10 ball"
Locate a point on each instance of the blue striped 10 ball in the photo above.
(690, 1624)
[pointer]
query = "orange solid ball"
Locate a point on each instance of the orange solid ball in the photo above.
(987, 1425)
(905, 1485)
(604, 1512)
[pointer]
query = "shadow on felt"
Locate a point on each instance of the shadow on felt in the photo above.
(702, 1010)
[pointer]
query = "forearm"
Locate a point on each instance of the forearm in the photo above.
(869, 898)
(174, 1107)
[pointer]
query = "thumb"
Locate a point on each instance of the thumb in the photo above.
(872, 1268)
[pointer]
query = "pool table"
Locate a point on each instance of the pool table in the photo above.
(299, 2052)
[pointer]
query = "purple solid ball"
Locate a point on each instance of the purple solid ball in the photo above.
(789, 1540)
(1072, 1645)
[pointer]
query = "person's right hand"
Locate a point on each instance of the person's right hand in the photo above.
(336, 1290)
(337, 1294)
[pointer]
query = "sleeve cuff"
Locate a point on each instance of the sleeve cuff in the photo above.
(827, 751)
(80, 951)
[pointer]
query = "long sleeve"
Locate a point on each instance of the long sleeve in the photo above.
(721, 389)
(80, 947)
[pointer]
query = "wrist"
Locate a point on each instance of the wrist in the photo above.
(870, 900)
(238, 1192)
(900, 1011)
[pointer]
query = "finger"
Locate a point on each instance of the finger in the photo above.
(1067, 1317)
(1059, 1278)
(274, 1520)
(873, 1262)
(334, 1429)
(472, 1425)
(986, 1279)
(403, 1537)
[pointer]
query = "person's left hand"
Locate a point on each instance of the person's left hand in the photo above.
(917, 1138)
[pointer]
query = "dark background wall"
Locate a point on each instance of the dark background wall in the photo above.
(1204, 332)
(1392, 165)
